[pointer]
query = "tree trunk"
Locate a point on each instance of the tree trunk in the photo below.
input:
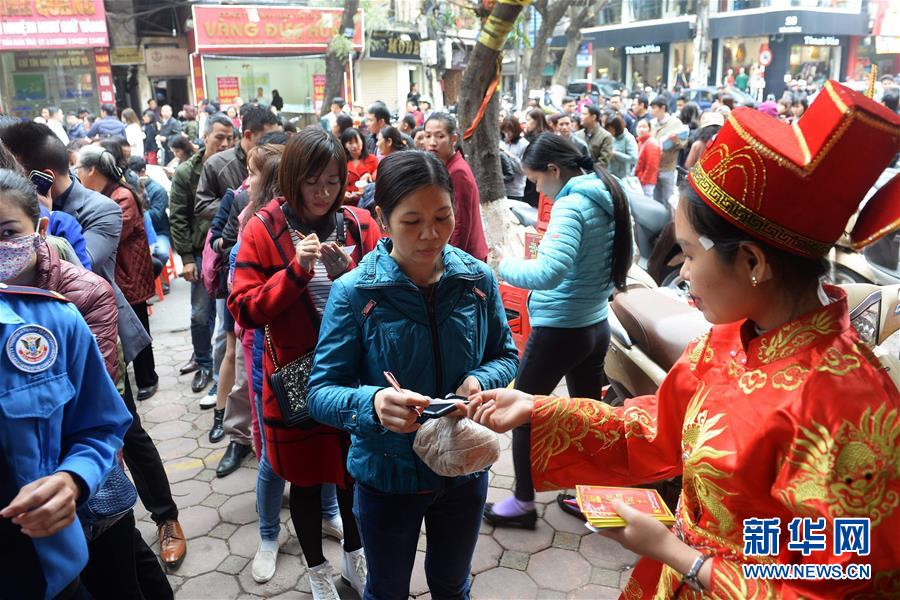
(483, 147)
(335, 64)
(567, 64)
(578, 19)
(551, 12)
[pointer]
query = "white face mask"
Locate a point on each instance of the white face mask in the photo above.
(16, 254)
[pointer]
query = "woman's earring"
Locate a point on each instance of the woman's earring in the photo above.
(754, 281)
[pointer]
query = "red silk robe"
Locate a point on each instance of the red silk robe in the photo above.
(801, 421)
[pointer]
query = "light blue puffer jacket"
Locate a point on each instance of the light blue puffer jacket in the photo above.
(572, 275)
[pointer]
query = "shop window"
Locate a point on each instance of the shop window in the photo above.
(610, 13)
(812, 63)
(646, 10)
(681, 8)
(733, 5)
(30, 81)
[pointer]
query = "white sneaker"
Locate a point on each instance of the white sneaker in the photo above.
(208, 401)
(321, 582)
(353, 570)
(333, 527)
(264, 564)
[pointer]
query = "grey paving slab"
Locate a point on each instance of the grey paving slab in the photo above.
(558, 569)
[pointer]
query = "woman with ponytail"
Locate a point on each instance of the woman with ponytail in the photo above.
(98, 169)
(583, 257)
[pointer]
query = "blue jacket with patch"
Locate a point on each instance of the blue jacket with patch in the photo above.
(378, 320)
(65, 416)
(572, 275)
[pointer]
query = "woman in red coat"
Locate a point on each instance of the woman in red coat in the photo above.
(290, 253)
(98, 171)
(441, 139)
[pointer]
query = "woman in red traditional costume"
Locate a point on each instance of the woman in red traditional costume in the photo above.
(778, 412)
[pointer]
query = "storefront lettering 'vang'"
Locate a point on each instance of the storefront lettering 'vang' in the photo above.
(257, 28)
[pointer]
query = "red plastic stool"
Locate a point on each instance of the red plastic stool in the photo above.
(515, 302)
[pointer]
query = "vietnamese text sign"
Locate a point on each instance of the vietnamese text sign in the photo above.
(52, 24)
(126, 55)
(167, 61)
(229, 88)
(318, 91)
(249, 28)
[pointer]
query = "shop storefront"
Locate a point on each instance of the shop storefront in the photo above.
(54, 56)
(784, 45)
(393, 64)
(249, 51)
(882, 48)
(643, 53)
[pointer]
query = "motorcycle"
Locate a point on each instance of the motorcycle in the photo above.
(654, 235)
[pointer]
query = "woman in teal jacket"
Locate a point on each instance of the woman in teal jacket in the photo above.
(583, 256)
(432, 315)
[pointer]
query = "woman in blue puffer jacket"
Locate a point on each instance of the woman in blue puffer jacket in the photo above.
(585, 254)
(432, 315)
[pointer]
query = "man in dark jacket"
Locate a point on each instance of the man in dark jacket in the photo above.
(188, 229)
(169, 129)
(228, 170)
(107, 125)
(37, 148)
(222, 172)
(598, 139)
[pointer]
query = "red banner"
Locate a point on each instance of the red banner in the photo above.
(318, 91)
(52, 24)
(228, 88)
(251, 29)
(197, 76)
(106, 91)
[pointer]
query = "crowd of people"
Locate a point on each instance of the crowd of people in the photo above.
(649, 140)
(339, 285)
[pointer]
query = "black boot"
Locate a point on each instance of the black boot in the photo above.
(217, 432)
(234, 455)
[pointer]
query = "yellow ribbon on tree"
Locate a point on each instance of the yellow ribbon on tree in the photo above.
(494, 33)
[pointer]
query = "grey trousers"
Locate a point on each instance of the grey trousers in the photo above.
(237, 406)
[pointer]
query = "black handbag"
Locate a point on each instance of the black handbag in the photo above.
(289, 384)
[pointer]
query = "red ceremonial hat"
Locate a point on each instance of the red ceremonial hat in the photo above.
(796, 186)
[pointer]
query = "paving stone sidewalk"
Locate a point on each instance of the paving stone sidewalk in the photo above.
(560, 559)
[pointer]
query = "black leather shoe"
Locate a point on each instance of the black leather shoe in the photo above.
(218, 429)
(234, 456)
(147, 392)
(525, 521)
(189, 367)
(201, 380)
(568, 508)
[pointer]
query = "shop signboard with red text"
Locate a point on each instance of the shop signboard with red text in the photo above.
(253, 29)
(52, 24)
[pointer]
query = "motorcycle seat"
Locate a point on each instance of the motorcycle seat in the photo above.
(660, 325)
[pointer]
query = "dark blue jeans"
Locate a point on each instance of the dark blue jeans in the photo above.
(390, 526)
(203, 320)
